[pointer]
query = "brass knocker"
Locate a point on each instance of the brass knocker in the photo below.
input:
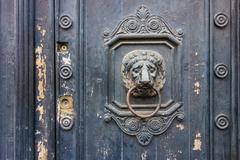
(143, 115)
(144, 74)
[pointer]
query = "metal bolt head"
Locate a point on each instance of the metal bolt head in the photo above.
(64, 48)
(65, 21)
(65, 72)
(221, 70)
(66, 123)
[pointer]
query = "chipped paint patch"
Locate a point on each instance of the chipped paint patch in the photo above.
(179, 151)
(42, 151)
(197, 87)
(37, 132)
(171, 156)
(144, 155)
(91, 94)
(65, 107)
(180, 127)
(40, 110)
(197, 142)
(104, 152)
(43, 32)
(41, 77)
(66, 60)
(41, 72)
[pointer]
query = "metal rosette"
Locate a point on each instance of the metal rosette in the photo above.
(66, 122)
(65, 21)
(222, 121)
(221, 20)
(221, 70)
(65, 72)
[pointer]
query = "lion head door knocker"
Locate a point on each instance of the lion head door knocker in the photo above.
(144, 74)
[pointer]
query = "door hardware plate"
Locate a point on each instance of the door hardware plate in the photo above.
(150, 33)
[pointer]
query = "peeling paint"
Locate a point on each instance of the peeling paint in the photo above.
(197, 142)
(41, 72)
(144, 155)
(41, 77)
(40, 110)
(65, 107)
(92, 92)
(38, 27)
(180, 126)
(66, 60)
(42, 151)
(180, 151)
(171, 156)
(43, 32)
(197, 87)
(104, 152)
(37, 132)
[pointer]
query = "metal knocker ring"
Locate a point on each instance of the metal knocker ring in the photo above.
(142, 115)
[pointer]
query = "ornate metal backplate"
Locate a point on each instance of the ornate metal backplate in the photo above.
(138, 41)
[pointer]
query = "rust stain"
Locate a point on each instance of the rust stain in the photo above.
(180, 126)
(197, 87)
(42, 151)
(197, 142)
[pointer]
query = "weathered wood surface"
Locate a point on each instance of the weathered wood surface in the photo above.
(30, 84)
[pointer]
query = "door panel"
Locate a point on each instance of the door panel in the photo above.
(95, 81)
(107, 140)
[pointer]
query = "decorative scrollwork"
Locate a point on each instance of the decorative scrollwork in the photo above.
(143, 129)
(221, 19)
(222, 121)
(143, 23)
(132, 124)
(221, 70)
(155, 124)
(65, 21)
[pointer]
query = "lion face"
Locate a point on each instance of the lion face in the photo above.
(143, 73)
(145, 70)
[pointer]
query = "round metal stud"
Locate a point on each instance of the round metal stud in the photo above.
(222, 121)
(65, 21)
(65, 72)
(221, 20)
(107, 117)
(221, 70)
(66, 123)
(64, 48)
(180, 31)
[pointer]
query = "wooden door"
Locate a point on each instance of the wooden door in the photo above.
(120, 80)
